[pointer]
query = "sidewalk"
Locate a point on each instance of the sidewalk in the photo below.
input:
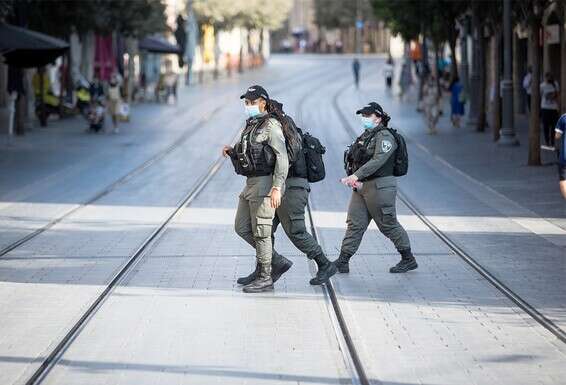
(503, 169)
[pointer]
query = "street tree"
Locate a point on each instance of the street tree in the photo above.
(531, 13)
(341, 14)
(6, 8)
(249, 14)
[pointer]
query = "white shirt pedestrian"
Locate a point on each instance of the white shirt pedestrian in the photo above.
(527, 81)
(548, 95)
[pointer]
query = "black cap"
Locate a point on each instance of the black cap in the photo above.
(255, 92)
(371, 108)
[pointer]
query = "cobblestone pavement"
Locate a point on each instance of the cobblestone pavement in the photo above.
(179, 316)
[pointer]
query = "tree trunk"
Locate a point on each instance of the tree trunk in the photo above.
(482, 82)
(496, 102)
(534, 118)
(454, 66)
(131, 49)
(563, 60)
(216, 71)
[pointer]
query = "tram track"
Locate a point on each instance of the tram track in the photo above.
(529, 309)
(56, 353)
(344, 338)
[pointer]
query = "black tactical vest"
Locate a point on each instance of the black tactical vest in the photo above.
(252, 158)
(361, 151)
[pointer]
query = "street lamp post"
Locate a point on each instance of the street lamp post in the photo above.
(508, 137)
(475, 75)
(359, 26)
(464, 54)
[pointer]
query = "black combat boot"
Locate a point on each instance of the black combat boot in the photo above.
(262, 283)
(279, 265)
(408, 262)
(249, 278)
(342, 263)
(326, 269)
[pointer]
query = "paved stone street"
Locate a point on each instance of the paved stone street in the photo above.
(179, 316)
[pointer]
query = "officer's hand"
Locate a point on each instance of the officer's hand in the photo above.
(275, 197)
(350, 181)
(226, 150)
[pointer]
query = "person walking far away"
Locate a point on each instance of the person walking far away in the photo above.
(431, 99)
(560, 144)
(261, 156)
(356, 69)
(388, 72)
(406, 78)
(291, 213)
(372, 162)
(114, 101)
(527, 84)
(548, 109)
(457, 101)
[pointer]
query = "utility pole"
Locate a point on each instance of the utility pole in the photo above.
(359, 27)
(508, 137)
(475, 75)
(464, 54)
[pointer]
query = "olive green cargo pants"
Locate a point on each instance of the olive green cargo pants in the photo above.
(291, 216)
(375, 200)
(254, 217)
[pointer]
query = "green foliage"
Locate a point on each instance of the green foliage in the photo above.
(6, 8)
(403, 17)
(410, 18)
(131, 18)
(245, 13)
(341, 13)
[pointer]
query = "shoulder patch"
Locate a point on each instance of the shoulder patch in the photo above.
(386, 145)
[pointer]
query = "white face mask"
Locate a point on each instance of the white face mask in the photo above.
(252, 110)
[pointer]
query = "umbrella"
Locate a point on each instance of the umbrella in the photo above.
(154, 45)
(25, 48)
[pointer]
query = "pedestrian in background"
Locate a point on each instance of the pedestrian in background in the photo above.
(96, 88)
(560, 145)
(356, 69)
(388, 72)
(406, 78)
(527, 84)
(114, 99)
(431, 100)
(548, 108)
(457, 101)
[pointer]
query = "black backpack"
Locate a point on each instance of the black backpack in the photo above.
(401, 155)
(313, 150)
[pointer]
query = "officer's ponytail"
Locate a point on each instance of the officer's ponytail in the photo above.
(275, 109)
(385, 119)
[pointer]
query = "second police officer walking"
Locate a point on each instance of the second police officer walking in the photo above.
(261, 156)
(372, 163)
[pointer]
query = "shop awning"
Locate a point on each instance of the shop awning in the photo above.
(25, 48)
(154, 45)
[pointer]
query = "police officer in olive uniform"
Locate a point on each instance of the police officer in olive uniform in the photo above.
(291, 216)
(371, 159)
(261, 156)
